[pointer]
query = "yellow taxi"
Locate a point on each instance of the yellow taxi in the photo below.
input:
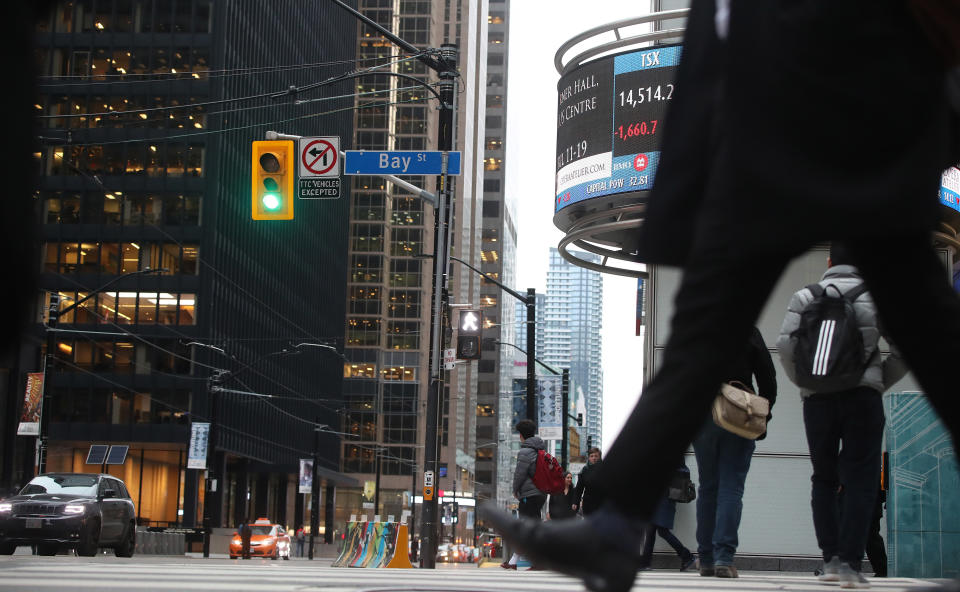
(266, 540)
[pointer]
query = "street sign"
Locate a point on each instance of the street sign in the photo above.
(396, 162)
(318, 161)
(450, 358)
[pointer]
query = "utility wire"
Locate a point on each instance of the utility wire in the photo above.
(141, 77)
(331, 80)
(65, 142)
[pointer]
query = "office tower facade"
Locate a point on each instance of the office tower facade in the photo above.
(390, 283)
(497, 256)
(146, 110)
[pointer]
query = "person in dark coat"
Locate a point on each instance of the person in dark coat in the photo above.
(587, 498)
(245, 534)
(723, 459)
(783, 133)
(661, 523)
(560, 505)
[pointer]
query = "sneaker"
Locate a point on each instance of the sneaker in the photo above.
(727, 571)
(850, 578)
(687, 562)
(829, 571)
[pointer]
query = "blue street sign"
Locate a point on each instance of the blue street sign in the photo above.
(399, 162)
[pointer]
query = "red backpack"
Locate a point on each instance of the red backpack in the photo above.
(548, 476)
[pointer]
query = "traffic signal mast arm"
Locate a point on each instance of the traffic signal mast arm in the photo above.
(423, 194)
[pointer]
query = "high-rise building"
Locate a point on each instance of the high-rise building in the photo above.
(497, 256)
(390, 283)
(147, 109)
(571, 335)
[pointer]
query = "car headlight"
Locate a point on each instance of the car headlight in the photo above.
(236, 541)
(6, 506)
(73, 509)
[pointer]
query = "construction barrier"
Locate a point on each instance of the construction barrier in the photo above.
(374, 544)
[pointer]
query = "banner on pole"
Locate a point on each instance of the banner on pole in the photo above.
(32, 406)
(197, 455)
(551, 407)
(306, 476)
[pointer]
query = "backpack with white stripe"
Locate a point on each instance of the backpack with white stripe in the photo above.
(829, 351)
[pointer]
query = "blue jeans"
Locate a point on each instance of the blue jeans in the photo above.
(723, 460)
(844, 431)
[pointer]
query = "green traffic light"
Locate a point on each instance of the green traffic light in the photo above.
(270, 201)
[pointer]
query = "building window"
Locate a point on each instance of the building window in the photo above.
(405, 273)
(403, 335)
(367, 207)
(494, 143)
(358, 459)
(491, 186)
(366, 268)
(406, 241)
(399, 429)
(407, 212)
(367, 237)
(492, 164)
(485, 411)
(359, 370)
(491, 209)
(404, 304)
(400, 373)
(490, 256)
(364, 300)
(363, 332)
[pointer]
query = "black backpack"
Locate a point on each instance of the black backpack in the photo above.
(829, 351)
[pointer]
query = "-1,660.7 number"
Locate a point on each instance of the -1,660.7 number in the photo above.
(638, 128)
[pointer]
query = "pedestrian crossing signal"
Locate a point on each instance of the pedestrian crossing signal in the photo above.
(468, 335)
(271, 186)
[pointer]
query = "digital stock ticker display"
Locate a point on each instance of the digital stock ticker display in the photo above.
(609, 124)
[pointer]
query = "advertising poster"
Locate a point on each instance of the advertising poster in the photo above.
(306, 476)
(551, 408)
(32, 406)
(197, 454)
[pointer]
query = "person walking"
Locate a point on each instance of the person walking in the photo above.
(245, 534)
(560, 505)
(300, 537)
(587, 498)
(530, 498)
(753, 173)
(662, 524)
(723, 460)
(844, 428)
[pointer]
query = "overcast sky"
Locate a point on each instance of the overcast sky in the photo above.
(537, 29)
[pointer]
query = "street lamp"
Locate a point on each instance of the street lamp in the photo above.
(53, 319)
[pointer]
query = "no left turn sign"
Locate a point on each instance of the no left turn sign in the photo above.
(320, 157)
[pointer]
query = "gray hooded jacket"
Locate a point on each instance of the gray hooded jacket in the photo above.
(526, 465)
(880, 374)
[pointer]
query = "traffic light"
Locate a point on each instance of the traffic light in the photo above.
(589, 442)
(468, 335)
(579, 419)
(273, 170)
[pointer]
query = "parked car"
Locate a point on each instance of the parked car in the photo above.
(266, 540)
(83, 511)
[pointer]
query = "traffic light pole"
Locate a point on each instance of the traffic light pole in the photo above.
(565, 396)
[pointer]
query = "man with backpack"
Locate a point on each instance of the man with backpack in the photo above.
(829, 347)
(531, 498)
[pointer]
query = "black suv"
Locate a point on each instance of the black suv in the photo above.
(84, 511)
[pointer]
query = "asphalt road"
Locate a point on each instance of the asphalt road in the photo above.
(67, 573)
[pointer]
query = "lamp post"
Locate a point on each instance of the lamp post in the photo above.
(53, 319)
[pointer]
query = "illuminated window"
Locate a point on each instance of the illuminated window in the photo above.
(361, 331)
(359, 370)
(403, 335)
(364, 300)
(488, 301)
(485, 411)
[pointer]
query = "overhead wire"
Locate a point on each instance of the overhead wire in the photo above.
(331, 80)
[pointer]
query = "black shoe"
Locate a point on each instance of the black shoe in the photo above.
(687, 562)
(602, 549)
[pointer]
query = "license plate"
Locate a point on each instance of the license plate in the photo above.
(34, 523)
